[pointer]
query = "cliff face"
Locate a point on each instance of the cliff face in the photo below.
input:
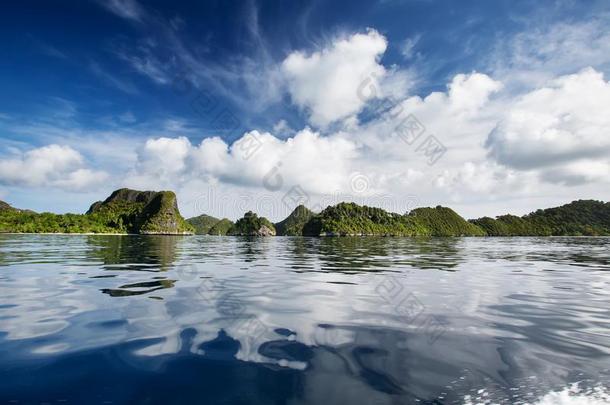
(124, 195)
(144, 212)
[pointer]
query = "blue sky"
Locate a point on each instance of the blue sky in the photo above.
(103, 94)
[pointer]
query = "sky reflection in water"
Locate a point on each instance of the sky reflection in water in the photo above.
(300, 320)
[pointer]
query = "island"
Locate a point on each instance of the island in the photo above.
(128, 211)
(125, 211)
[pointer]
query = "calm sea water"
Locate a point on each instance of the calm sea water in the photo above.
(205, 320)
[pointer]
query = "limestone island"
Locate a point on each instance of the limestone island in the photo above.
(128, 211)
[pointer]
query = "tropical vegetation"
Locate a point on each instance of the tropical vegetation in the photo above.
(252, 225)
(125, 211)
(150, 212)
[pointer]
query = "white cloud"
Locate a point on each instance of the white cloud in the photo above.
(542, 52)
(388, 170)
(160, 162)
(326, 82)
(407, 49)
(52, 165)
(318, 163)
(482, 178)
(81, 179)
(128, 9)
(505, 148)
(561, 129)
(468, 93)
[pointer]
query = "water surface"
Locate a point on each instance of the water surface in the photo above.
(154, 319)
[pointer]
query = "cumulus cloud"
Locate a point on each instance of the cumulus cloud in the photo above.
(561, 129)
(468, 93)
(482, 177)
(499, 144)
(52, 165)
(363, 162)
(318, 163)
(460, 118)
(326, 82)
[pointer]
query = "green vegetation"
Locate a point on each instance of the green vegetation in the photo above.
(161, 216)
(31, 222)
(506, 225)
(125, 211)
(582, 217)
(6, 207)
(293, 224)
(221, 228)
(202, 223)
(252, 225)
(353, 219)
(149, 212)
(443, 221)
(208, 225)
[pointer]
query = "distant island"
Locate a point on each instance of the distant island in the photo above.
(128, 211)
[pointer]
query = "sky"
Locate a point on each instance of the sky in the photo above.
(488, 107)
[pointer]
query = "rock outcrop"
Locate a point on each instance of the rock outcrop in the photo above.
(143, 212)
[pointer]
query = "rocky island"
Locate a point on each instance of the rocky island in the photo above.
(128, 211)
(252, 225)
(125, 211)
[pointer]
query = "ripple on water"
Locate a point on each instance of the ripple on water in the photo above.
(362, 320)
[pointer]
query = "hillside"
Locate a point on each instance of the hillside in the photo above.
(209, 225)
(252, 225)
(443, 221)
(221, 228)
(124, 211)
(293, 224)
(353, 219)
(582, 217)
(202, 223)
(151, 212)
(6, 206)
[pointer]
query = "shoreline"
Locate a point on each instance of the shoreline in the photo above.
(303, 236)
(93, 234)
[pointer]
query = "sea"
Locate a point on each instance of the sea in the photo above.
(88, 319)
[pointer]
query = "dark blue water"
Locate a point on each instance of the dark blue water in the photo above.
(205, 320)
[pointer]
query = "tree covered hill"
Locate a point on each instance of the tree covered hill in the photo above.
(221, 228)
(150, 212)
(124, 211)
(209, 225)
(353, 219)
(293, 224)
(581, 217)
(252, 225)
